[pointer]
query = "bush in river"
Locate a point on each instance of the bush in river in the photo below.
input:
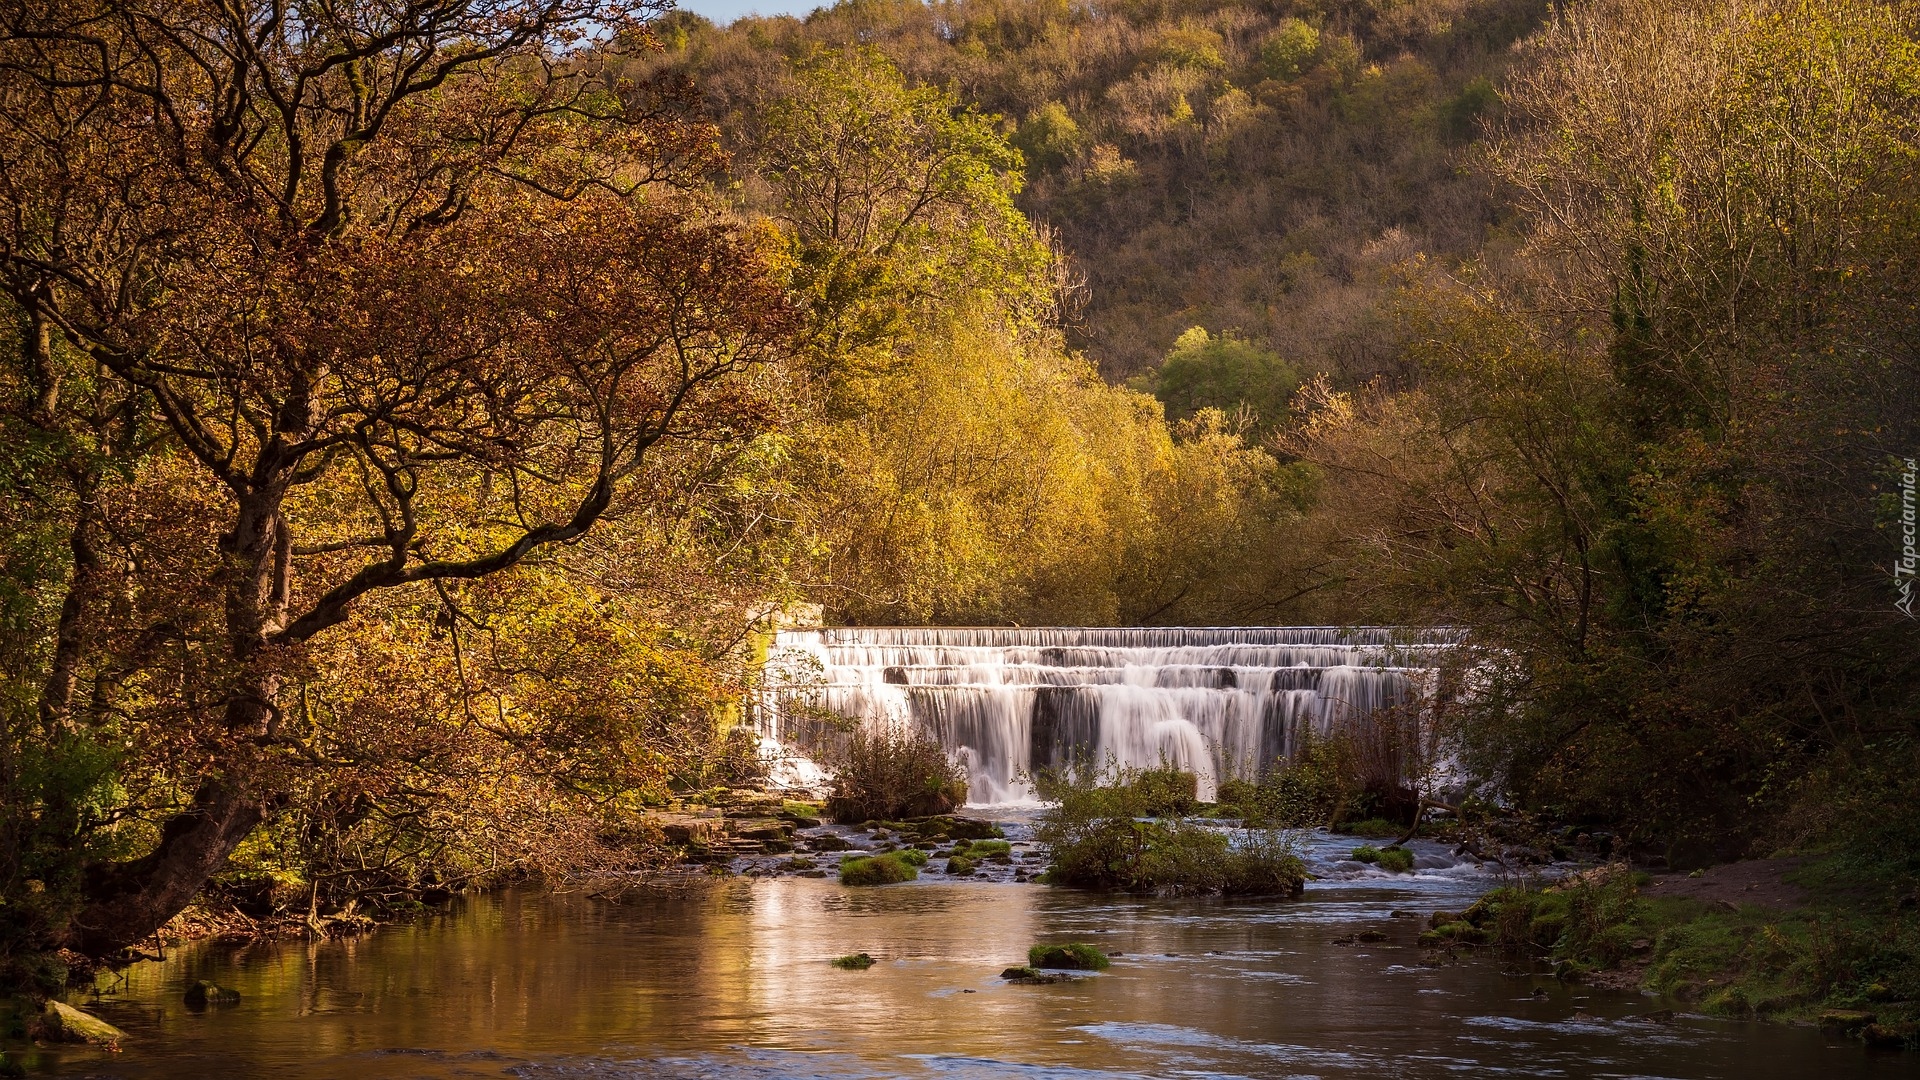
(856, 962)
(894, 866)
(1097, 836)
(1396, 860)
(894, 773)
(1077, 956)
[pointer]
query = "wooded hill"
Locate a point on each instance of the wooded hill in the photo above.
(1260, 169)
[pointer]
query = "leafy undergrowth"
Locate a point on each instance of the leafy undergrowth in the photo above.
(1104, 832)
(1850, 965)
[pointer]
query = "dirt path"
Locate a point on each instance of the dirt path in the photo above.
(1755, 881)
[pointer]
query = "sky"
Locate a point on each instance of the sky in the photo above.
(725, 11)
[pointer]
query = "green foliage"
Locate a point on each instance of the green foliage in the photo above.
(1374, 827)
(1096, 836)
(888, 869)
(1048, 138)
(979, 850)
(1319, 785)
(892, 773)
(959, 866)
(1290, 50)
(1226, 372)
(855, 962)
(1164, 791)
(1750, 962)
(1076, 956)
(1366, 853)
(1397, 860)
(1461, 114)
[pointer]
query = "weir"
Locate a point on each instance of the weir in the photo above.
(1214, 701)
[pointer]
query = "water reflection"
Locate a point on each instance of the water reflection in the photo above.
(734, 983)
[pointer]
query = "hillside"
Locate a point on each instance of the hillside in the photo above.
(1259, 169)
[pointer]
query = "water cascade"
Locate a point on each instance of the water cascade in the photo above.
(1215, 701)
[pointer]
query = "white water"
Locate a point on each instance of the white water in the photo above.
(1215, 701)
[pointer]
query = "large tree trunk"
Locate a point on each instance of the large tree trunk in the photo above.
(128, 902)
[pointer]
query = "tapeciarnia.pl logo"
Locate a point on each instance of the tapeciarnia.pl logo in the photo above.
(1904, 566)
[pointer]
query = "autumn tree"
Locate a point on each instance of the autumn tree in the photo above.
(400, 294)
(1648, 463)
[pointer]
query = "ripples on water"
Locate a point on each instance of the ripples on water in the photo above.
(733, 984)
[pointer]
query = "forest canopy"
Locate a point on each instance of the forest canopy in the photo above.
(413, 418)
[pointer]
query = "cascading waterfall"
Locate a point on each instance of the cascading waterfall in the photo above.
(1214, 701)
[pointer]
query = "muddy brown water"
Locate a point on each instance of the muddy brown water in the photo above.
(733, 983)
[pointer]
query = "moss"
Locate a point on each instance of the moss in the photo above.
(1372, 827)
(855, 962)
(60, 1022)
(1396, 860)
(1366, 853)
(1076, 956)
(959, 866)
(885, 869)
(982, 850)
(961, 828)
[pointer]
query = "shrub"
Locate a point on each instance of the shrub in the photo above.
(1319, 785)
(894, 866)
(856, 962)
(1095, 837)
(1077, 956)
(1164, 791)
(894, 773)
(1366, 853)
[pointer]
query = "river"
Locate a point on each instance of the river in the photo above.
(733, 982)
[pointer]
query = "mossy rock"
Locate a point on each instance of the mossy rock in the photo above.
(829, 842)
(1396, 860)
(855, 962)
(204, 993)
(1076, 956)
(984, 849)
(963, 828)
(60, 1022)
(959, 865)
(1847, 1021)
(1026, 976)
(886, 869)
(1366, 853)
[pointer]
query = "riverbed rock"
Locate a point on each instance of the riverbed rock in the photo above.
(1076, 956)
(60, 1022)
(204, 993)
(688, 828)
(762, 829)
(1026, 976)
(965, 828)
(829, 842)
